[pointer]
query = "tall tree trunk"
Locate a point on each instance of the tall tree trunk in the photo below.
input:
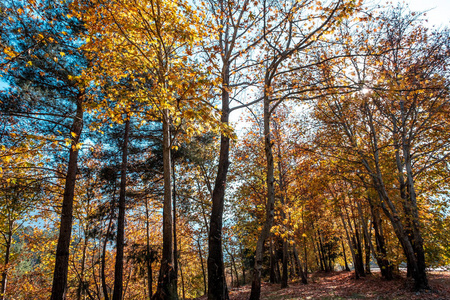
(299, 265)
(352, 250)
(182, 283)
(345, 256)
(149, 259)
(356, 242)
(273, 261)
(105, 243)
(217, 286)
(270, 205)
(285, 275)
(356, 238)
(242, 264)
(203, 266)
(82, 284)
(8, 240)
(120, 242)
(231, 274)
(381, 252)
(233, 266)
(420, 276)
(174, 208)
(322, 252)
(59, 284)
(368, 246)
(167, 288)
(317, 251)
(413, 249)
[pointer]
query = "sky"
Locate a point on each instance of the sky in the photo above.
(439, 14)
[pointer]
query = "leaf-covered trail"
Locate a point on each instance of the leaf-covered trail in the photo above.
(342, 285)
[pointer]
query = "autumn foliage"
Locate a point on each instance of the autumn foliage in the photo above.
(175, 149)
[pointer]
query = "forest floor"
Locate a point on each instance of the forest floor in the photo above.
(343, 285)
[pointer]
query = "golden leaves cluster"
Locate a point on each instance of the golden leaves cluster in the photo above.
(142, 62)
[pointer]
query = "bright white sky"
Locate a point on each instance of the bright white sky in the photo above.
(439, 14)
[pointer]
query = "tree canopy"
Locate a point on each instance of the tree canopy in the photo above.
(175, 149)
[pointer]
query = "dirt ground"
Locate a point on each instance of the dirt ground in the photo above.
(343, 285)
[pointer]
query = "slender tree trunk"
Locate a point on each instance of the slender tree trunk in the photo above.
(355, 239)
(167, 288)
(182, 283)
(420, 276)
(345, 257)
(243, 265)
(413, 249)
(217, 286)
(285, 275)
(316, 251)
(59, 285)
(8, 241)
(273, 275)
(352, 250)
(299, 265)
(322, 252)
(105, 243)
(203, 266)
(270, 205)
(381, 252)
(149, 259)
(174, 208)
(233, 266)
(306, 257)
(231, 274)
(81, 284)
(368, 246)
(118, 269)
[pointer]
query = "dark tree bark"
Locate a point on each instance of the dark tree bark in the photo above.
(345, 257)
(232, 21)
(350, 245)
(381, 251)
(65, 228)
(82, 284)
(120, 242)
(273, 278)
(368, 246)
(285, 274)
(203, 266)
(8, 240)
(299, 266)
(105, 243)
(174, 209)
(149, 259)
(217, 287)
(270, 205)
(167, 288)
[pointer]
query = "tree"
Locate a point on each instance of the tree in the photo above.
(390, 119)
(274, 64)
(162, 75)
(232, 23)
(41, 66)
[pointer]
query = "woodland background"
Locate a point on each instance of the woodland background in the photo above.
(122, 176)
